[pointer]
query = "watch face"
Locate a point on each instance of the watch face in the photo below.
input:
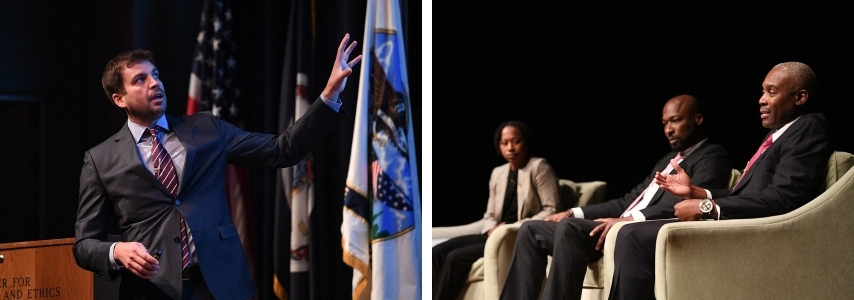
(705, 205)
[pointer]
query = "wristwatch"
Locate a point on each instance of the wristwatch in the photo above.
(706, 206)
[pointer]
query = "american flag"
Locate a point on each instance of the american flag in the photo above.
(213, 87)
(212, 83)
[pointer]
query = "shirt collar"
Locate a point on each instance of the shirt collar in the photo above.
(780, 131)
(138, 131)
(691, 149)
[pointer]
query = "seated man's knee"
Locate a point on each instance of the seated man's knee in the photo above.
(628, 231)
(565, 225)
(527, 227)
(635, 235)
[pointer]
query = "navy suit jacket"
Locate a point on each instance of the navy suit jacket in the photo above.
(790, 173)
(115, 186)
(709, 165)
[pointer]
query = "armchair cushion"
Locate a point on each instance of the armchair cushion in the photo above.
(568, 191)
(447, 232)
(733, 179)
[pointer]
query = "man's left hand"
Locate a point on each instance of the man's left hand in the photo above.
(606, 225)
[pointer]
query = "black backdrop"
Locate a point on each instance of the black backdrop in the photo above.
(52, 54)
(591, 77)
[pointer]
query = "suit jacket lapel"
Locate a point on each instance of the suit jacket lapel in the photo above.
(523, 189)
(126, 144)
(185, 135)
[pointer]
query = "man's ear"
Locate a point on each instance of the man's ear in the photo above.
(802, 96)
(698, 118)
(119, 100)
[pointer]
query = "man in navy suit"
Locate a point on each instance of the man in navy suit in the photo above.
(118, 186)
(782, 177)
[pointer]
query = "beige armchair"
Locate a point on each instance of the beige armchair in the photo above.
(499, 247)
(488, 274)
(807, 253)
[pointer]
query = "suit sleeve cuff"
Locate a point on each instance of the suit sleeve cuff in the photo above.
(333, 104)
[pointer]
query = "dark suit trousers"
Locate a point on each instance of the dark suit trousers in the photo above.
(194, 285)
(634, 260)
(571, 247)
(135, 288)
(452, 261)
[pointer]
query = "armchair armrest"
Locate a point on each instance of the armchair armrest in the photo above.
(446, 232)
(497, 255)
(608, 257)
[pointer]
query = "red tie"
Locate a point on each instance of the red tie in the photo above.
(164, 170)
(667, 170)
(765, 145)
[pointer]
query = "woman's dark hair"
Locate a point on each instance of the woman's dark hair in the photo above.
(527, 135)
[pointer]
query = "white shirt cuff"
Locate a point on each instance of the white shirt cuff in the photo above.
(638, 216)
(334, 105)
(113, 264)
(577, 213)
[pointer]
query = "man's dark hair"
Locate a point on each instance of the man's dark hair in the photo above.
(111, 80)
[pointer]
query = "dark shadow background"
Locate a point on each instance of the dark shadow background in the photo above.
(52, 106)
(591, 77)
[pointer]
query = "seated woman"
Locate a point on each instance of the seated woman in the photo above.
(524, 188)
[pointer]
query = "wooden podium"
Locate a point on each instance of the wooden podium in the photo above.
(42, 269)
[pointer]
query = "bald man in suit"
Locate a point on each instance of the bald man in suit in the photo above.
(118, 185)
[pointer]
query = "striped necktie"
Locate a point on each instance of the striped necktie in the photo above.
(164, 170)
